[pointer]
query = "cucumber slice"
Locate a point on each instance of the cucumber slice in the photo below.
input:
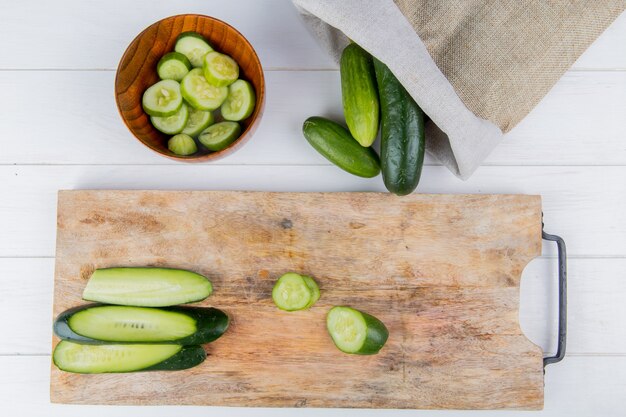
(240, 101)
(102, 324)
(220, 69)
(98, 359)
(146, 287)
(171, 125)
(220, 135)
(199, 93)
(182, 144)
(198, 121)
(173, 66)
(193, 46)
(315, 290)
(291, 292)
(162, 99)
(356, 332)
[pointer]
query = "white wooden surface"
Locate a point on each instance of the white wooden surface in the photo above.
(60, 130)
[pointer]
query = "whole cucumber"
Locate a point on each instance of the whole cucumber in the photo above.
(358, 94)
(334, 142)
(402, 140)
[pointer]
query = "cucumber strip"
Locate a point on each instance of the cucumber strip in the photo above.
(240, 101)
(291, 292)
(146, 287)
(199, 93)
(198, 121)
(315, 289)
(162, 99)
(102, 324)
(220, 69)
(220, 135)
(182, 144)
(193, 46)
(173, 66)
(356, 332)
(171, 125)
(97, 359)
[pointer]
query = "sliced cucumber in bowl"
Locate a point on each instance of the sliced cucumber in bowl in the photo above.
(198, 121)
(162, 99)
(173, 66)
(220, 135)
(220, 69)
(240, 101)
(194, 46)
(171, 125)
(199, 93)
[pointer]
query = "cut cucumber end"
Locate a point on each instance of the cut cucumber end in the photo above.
(199, 93)
(220, 69)
(182, 145)
(171, 125)
(220, 135)
(240, 101)
(162, 99)
(291, 292)
(198, 121)
(315, 289)
(194, 46)
(173, 66)
(355, 332)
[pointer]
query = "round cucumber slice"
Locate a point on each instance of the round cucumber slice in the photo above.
(315, 290)
(291, 292)
(193, 46)
(219, 135)
(198, 121)
(354, 331)
(240, 101)
(173, 66)
(162, 99)
(182, 144)
(171, 125)
(199, 93)
(219, 69)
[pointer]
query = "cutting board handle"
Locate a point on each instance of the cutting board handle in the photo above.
(560, 351)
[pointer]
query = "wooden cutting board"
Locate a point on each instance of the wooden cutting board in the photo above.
(441, 271)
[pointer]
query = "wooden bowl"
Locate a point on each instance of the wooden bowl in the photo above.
(137, 71)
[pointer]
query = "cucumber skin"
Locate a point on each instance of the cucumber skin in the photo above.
(377, 335)
(211, 324)
(187, 357)
(334, 142)
(359, 95)
(402, 138)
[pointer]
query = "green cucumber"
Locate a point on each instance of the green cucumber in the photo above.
(354, 331)
(162, 99)
(315, 289)
(98, 359)
(101, 324)
(334, 142)
(182, 144)
(240, 101)
(198, 121)
(173, 66)
(220, 135)
(402, 139)
(146, 287)
(358, 94)
(194, 46)
(171, 125)
(199, 93)
(220, 70)
(291, 292)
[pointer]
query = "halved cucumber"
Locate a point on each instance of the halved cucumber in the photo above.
(100, 324)
(98, 359)
(315, 290)
(162, 99)
(193, 46)
(199, 93)
(171, 125)
(219, 135)
(173, 66)
(240, 101)
(146, 287)
(220, 69)
(356, 332)
(198, 121)
(291, 292)
(182, 144)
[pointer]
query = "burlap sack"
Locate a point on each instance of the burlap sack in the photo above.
(476, 67)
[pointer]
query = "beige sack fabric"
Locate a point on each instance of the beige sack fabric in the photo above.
(476, 67)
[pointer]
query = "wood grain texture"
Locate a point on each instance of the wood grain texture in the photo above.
(137, 71)
(441, 271)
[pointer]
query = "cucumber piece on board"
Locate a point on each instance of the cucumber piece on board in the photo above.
(356, 332)
(291, 292)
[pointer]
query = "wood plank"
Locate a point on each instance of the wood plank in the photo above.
(563, 130)
(596, 291)
(583, 204)
(578, 387)
(105, 32)
(449, 298)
